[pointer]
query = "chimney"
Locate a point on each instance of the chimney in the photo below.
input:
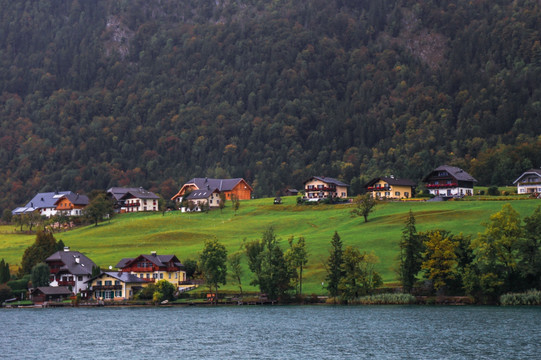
(153, 253)
(66, 248)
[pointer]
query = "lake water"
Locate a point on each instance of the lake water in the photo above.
(273, 332)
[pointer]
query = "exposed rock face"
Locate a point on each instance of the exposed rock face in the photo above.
(117, 37)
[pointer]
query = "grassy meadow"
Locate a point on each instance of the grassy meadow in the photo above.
(129, 235)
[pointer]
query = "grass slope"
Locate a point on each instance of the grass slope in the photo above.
(129, 235)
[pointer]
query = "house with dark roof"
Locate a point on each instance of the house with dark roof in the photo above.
(115, 286)
(321, 187)
(44, 294)
(529, 182)
(70, 268)
(43, 203)
(197, 200)
(71, 204)
(390, 188)
(449, 181)
(154, 267)
(133, 199)
(237, 187)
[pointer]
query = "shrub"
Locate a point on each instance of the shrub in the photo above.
(387, 299)
(493, 191)
(5, 293)
(530, 297)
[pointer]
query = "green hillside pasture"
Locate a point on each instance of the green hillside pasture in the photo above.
(129, 235)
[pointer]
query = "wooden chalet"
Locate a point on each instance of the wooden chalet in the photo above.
(449, 181)
(71, 204)
(154, 267)
(44, 294)
(237, 187)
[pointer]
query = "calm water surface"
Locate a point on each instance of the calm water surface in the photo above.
(274, 332)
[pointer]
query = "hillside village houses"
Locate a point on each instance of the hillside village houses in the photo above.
(320, 187)
(51, 203)
(529, 182)
(71, 274)
(449, 181)
(390, 188)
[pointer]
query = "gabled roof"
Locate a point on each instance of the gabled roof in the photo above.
(220, 184)
(529, 172)
(201, 194)
(209, 184)
(119, 192)
(68, 258)
(122, 276)
(391, 181)
(158, 260)
(139, 193)
(327, 180)
(53, 290)
(454, 171)
(75, 199)
(23, 210)
(46, 199)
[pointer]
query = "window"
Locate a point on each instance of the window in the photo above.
(155, 276)
(141, 275)
(161, 275)
(118, 293)
(148, 276)
(79, 278)
(117, 282)
(406, 194)
(108, 282)
(169, 276)
(176, 275)
(98, 283)
(387, 193)
(397, 193)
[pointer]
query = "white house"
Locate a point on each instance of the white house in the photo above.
(529, 182)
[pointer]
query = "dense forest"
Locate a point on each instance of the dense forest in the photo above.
(150, 93)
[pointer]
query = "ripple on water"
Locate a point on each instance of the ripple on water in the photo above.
(278, 332)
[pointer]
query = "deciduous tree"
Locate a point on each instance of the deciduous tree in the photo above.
(439, 258)
(213, 262)
(297, 257)
(364, 206)
(40, 275)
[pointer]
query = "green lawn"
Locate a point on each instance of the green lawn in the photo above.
(129, 235)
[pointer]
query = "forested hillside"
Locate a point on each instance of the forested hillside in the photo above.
(150, 93)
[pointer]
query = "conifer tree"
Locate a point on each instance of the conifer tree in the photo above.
(334, 267)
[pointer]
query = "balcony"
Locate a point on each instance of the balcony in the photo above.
(320, 189)
(107, 287)
(135, 204)
(374, 188)
(439, 186)
(139, 269)
(66, 283)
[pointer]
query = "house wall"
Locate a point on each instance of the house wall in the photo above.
(144, 205)
(393, 192)
(242, 191)
(174, 277)
(125, 293)
(455, 191)
(48, 212)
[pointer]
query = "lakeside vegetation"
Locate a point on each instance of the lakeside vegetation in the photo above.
(184, 234)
